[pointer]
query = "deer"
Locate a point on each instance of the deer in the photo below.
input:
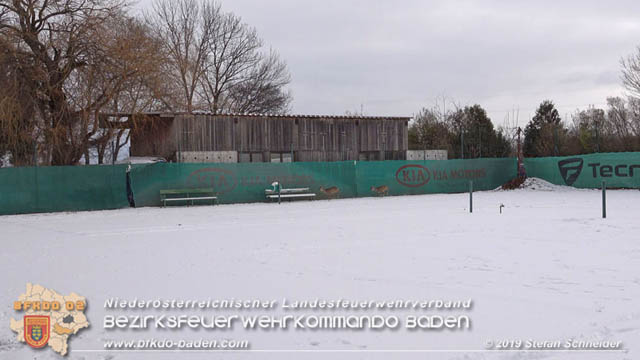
(330, 192)
(380, 190)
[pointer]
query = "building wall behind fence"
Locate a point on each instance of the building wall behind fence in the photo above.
(62, 188)
(618, 170)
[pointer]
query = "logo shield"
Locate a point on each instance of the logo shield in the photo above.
(36, 330)
(570, 169)
(413, 175)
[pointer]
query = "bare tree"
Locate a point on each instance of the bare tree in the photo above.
(232, 54)
(428, 131)
(184, 28)
(217, 59)
(263, 89)
(54, 38)
(633, 106)
(18, 128)
(618, 122)
(64, 62)
(121, 81)
(631, 72)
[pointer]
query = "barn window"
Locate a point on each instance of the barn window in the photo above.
(281, 157)
(256, 157)
(369, 156)
(245, 157)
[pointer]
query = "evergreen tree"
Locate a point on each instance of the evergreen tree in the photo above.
(480, 137)
(543, 131)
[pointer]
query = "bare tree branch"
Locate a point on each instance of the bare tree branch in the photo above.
(631, 72)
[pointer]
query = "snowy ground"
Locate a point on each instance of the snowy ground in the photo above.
(547, 268)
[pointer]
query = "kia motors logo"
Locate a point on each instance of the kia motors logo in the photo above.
(221, 180)
(413, 175)
(570, 169)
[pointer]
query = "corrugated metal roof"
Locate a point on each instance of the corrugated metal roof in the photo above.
(296, 116)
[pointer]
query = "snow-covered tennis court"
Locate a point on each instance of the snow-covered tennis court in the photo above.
(547, 268)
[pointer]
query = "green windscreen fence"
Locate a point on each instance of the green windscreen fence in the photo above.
(62, 188)
(77, 188)
(430, 177)
(239, 183)
(618, 170)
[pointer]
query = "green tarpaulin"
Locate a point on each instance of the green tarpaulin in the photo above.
(618, 170)
(238, 183)
(76, 188)
(62, 188)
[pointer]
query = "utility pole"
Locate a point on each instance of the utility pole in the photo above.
(471, 196)
(479, 142)
(462, 136)
(597, 137)
(604, 200)
(461, 143)
(555, 141)
(519, 131)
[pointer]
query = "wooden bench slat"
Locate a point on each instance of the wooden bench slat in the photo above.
(186, 191)
(167, 195)
(281, 193)
(192, 198)
(287, 191)
(290, 196)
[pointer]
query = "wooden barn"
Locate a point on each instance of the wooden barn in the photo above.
(266, 138)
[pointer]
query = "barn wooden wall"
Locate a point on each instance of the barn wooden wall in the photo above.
(154, 137)
(310, 138)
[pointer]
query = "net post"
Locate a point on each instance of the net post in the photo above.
(471, 196)
(604, 200)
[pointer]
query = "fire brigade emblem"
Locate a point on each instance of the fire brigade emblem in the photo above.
(36, 330)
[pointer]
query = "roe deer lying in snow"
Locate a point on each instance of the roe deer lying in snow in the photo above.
(380, 190)
(330, 192)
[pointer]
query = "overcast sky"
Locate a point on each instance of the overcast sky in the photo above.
(395, 57)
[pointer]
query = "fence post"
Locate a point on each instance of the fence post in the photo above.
(604, 200)
(471, 196)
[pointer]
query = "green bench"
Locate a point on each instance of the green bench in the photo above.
(187, 195)
(278, 192)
